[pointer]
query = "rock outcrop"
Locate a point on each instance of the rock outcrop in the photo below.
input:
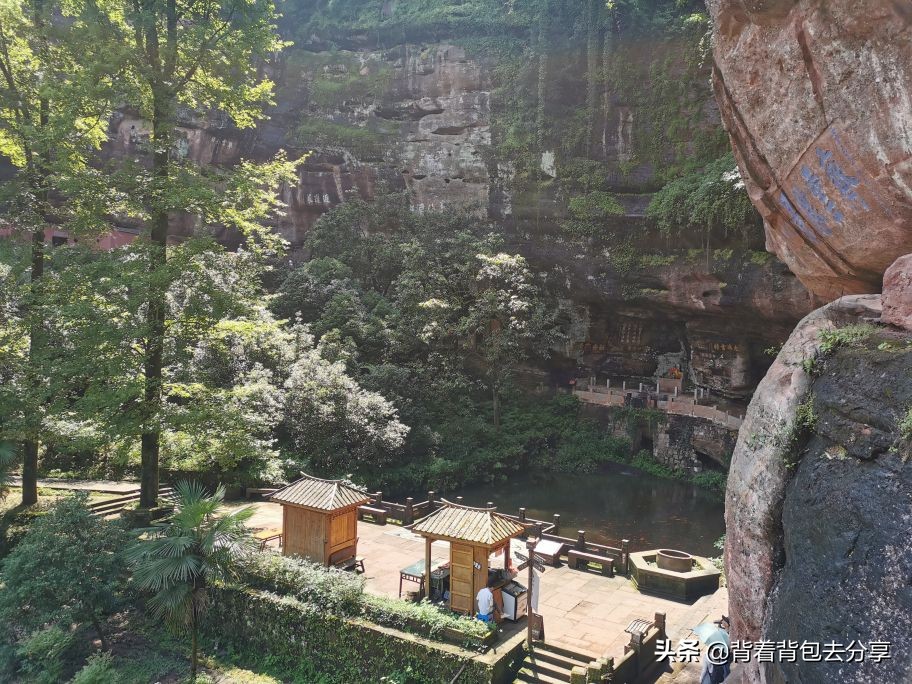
(759, 469)
(897, 293)
(819, 502)
(817, 99)
(715, 319)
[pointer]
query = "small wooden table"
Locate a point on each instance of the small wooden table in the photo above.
(266, 536)
(549, 550)
(415, 573)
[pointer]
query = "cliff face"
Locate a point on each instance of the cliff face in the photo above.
(817, 98)
(426, 119)
(819, 499)
(857, 551)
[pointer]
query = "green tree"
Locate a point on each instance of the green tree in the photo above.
(203, 57)
(67, 568)
(210, 418)
(53, 114)
(509, 320)
(451, 292)
(179, 559)
(339, 425)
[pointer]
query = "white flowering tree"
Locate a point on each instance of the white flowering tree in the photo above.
(507, 320)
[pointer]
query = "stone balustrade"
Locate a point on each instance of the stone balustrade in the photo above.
(682, 405)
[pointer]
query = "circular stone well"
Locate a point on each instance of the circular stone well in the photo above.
(675, 561)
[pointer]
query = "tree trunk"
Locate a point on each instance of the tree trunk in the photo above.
(496, 396)
(33, 422)
(96, 623)
(155, 307)
(194, 655)
(29, 472)
(30, 444)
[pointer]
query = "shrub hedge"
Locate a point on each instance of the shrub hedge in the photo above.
(342, 594)
(346, 649)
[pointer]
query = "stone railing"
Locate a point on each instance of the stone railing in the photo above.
(680, 405)
(636, 665)
(410, 511)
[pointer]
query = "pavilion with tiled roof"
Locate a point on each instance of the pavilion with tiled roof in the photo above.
(473, 534)
(320, 519)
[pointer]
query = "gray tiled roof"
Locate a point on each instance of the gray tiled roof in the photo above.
(323, 495)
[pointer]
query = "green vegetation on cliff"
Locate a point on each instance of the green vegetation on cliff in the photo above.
(711, 200)
(615, 92)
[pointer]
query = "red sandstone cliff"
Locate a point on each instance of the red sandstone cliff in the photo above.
(817, 98)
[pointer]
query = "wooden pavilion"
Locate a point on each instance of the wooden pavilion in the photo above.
(474, 534)
(320, 519)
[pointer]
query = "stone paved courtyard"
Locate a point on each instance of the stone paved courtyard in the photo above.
(582, 610)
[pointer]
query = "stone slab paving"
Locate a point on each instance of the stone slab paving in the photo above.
(582, 610)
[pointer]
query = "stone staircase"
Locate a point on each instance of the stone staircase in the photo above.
(551, 664)
(116, 506)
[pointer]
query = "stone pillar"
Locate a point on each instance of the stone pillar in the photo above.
(522, 514)
(557, 523)
(578, 675)
(427, 568)
(636, 642)
(409, 512)
(581, 539)
(432, 495)
(530, 551)
(659, 622)
(594, 672)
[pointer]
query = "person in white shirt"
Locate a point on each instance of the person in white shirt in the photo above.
(485, 601)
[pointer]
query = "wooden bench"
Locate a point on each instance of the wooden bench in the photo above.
(351, 563)
(259, 491)
(377, 514)
(575, 557)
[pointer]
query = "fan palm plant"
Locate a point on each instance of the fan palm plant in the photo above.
(178, 559)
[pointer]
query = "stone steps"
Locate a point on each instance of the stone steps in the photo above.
(116, 506)
(550, 664)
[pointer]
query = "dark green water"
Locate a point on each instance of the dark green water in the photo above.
(616, 503)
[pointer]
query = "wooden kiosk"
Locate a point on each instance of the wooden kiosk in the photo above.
(320, 519)
(473, 534)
